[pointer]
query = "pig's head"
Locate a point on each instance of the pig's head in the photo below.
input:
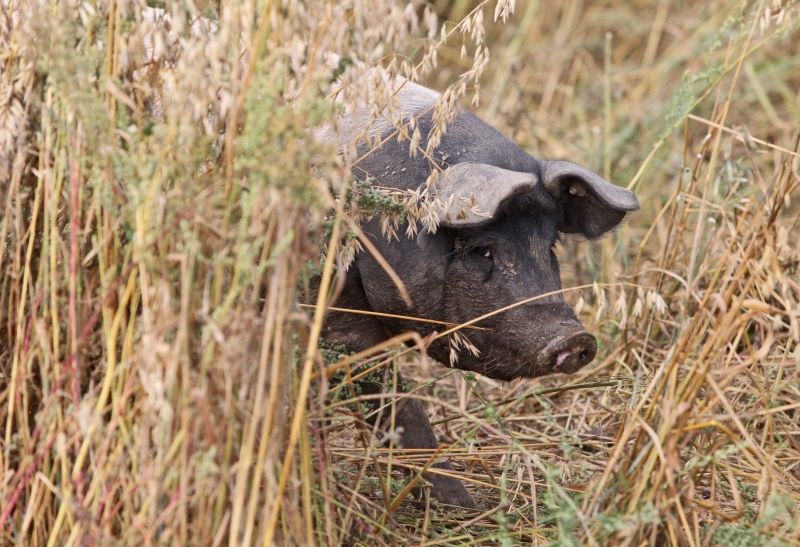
(494, 249)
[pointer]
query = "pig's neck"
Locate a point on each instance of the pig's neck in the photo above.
(354, 331)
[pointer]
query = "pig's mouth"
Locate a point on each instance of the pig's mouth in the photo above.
(565, 353)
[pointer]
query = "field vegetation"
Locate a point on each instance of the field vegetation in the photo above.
(164, 202)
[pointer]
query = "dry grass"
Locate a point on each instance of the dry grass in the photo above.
(159, 383)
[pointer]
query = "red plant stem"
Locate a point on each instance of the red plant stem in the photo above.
(29, 327)
(12, 500)
(74, 226)
(69, 363)
(15, 392)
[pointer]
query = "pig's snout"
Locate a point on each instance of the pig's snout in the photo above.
(569, 353)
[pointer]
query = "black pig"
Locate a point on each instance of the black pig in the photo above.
(504, 213)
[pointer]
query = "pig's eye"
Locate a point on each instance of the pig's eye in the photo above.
(482, 261)
(485, 252)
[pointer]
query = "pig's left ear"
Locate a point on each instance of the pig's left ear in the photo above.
(592, 205)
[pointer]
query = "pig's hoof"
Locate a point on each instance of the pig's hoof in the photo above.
(450, 491)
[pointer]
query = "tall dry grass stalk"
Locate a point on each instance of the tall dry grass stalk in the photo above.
(163, 200)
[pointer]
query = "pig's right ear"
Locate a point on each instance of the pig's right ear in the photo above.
(470, 194)
(592, 205)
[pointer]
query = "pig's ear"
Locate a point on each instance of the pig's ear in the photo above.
(470, 194)
(592, 205)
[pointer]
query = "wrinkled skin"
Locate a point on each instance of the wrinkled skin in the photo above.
(474, 266)
(486, 268)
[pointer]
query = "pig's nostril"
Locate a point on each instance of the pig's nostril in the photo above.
(583, 355)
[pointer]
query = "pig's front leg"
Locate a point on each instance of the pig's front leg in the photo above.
(359, 332)
(417, 432)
